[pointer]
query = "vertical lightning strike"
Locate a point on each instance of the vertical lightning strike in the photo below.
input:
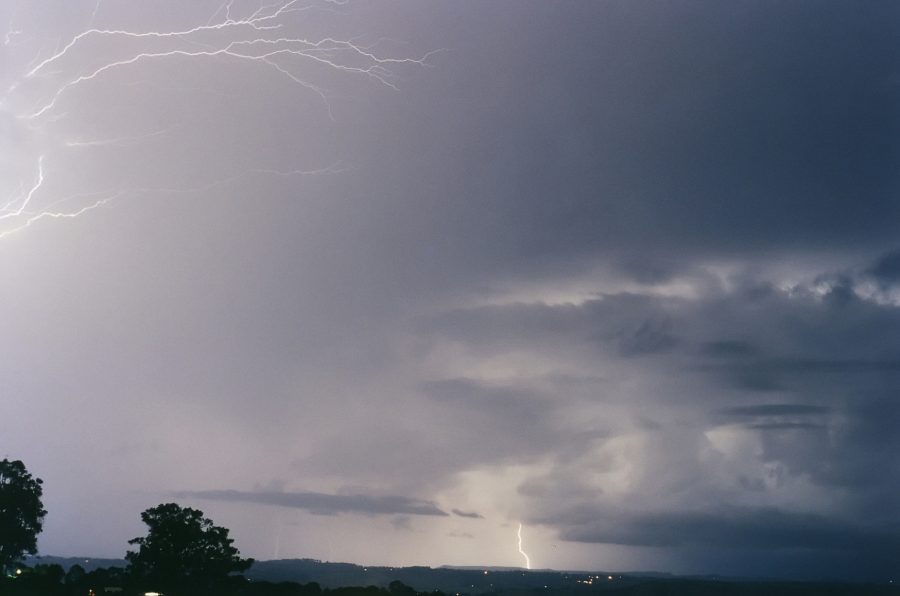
(522, 552)
(263, 37)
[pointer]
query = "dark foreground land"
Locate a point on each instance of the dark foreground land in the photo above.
(305, 577)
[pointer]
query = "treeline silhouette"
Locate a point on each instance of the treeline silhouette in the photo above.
(54, 580)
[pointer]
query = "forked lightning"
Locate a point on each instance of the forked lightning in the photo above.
(262, 38)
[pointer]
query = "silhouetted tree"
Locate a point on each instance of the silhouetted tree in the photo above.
(21, 512)
(398, 588)
(75, 575)
(183, 549)
(46, 575)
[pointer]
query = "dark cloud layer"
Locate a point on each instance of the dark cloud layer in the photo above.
(775, 410)
(791, 537)
(736, 529)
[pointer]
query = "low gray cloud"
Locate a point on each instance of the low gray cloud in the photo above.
(774, 410)
(762, 528)
(323, 503)
(469, 514)
(777, 416)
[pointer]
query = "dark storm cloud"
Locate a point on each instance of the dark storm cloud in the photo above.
(824, 366)
(726, 348)
(835, 363)
(886, 269)
(775, 374)
(325, 504)
(785, 426)
(603, 257)
(718, 132)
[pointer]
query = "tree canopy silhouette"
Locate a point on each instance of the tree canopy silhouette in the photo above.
(183, 548)
(21, 512)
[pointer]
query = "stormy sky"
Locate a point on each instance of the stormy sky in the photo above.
(379, 281)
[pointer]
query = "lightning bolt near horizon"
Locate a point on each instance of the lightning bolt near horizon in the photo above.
(521, 551)
(39, 108)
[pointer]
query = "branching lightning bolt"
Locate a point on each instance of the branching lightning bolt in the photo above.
(47, 213)
(262, 38)
(522, 552)
(8, 211)
(123, 141)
